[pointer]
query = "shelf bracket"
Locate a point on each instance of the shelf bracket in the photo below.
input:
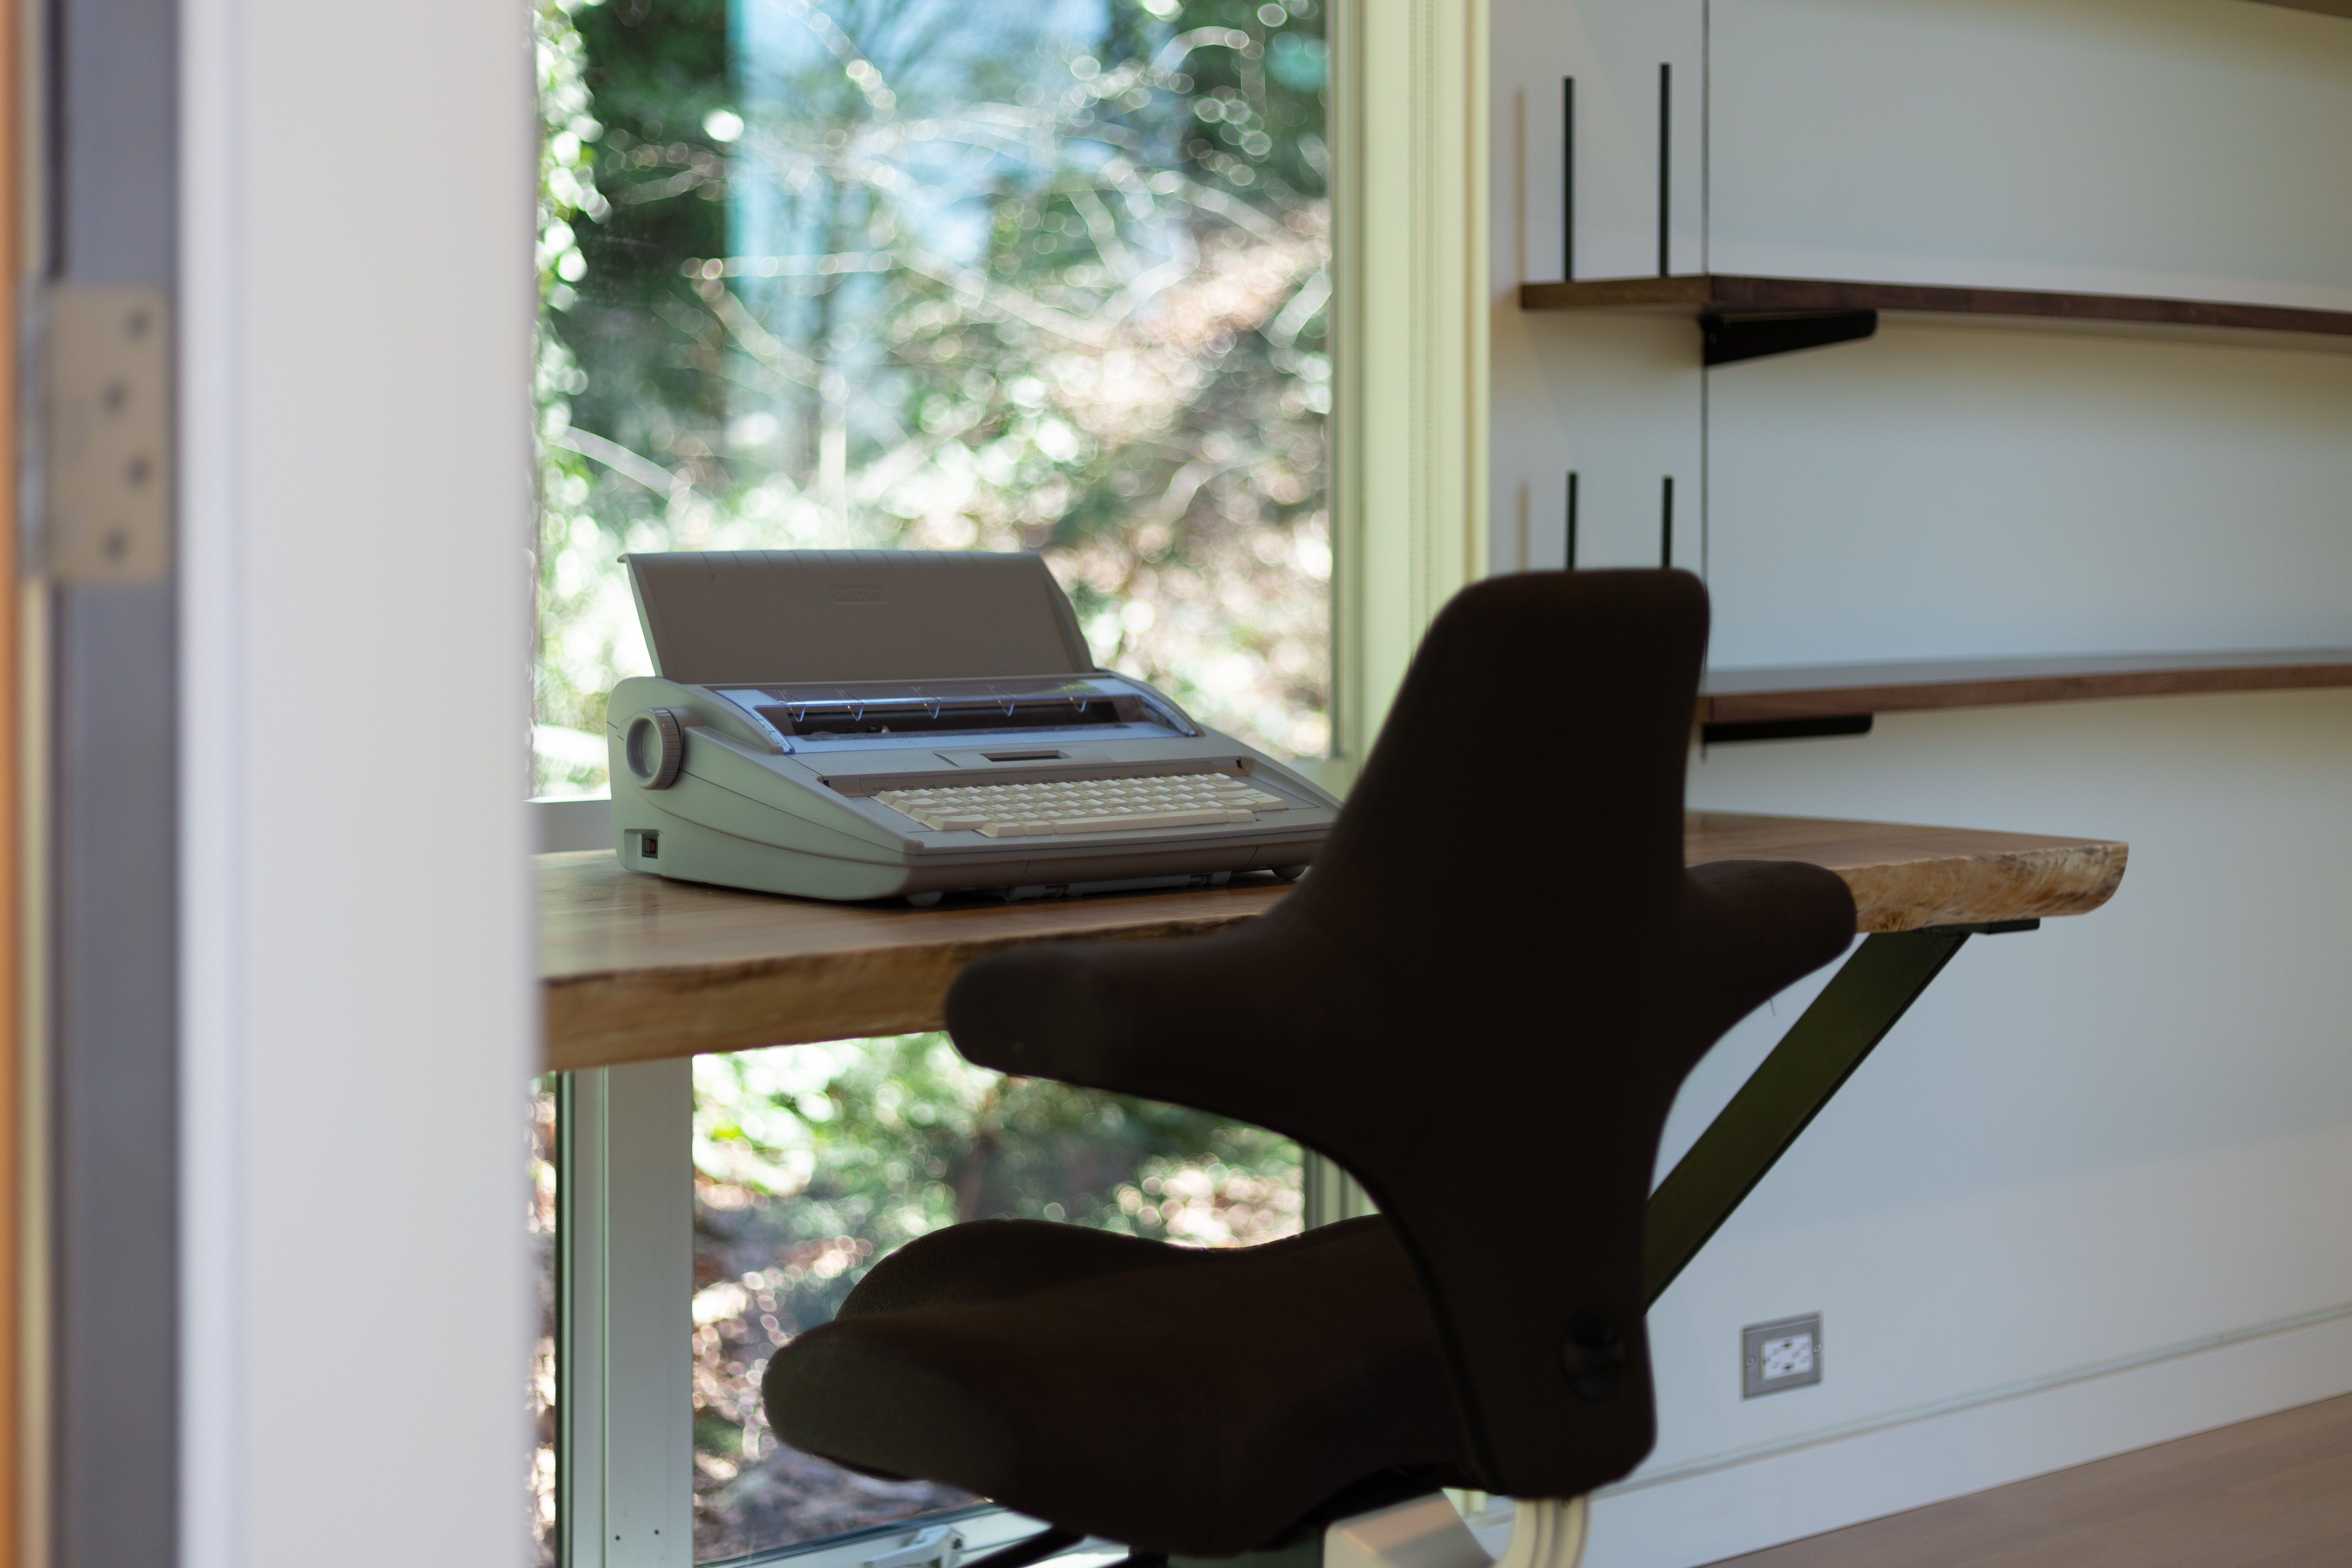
(1729, 339)
(1733, 732)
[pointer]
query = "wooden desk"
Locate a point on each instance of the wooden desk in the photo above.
(635, 968)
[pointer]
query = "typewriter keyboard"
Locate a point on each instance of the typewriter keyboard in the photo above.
(1086, 806)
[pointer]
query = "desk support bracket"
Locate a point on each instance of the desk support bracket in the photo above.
(1863, 1000)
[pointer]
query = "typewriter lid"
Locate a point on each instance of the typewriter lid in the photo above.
(743, 615)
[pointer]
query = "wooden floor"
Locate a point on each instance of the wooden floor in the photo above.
(2270, 1493)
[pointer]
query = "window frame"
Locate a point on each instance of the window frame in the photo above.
(1411, 527)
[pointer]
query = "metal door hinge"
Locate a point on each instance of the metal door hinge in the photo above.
(108, 407)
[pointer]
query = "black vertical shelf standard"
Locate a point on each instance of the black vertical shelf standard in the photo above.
(1665, 166)
(1567, 179)
(1571, 521)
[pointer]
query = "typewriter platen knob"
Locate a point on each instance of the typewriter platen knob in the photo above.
(652, 748)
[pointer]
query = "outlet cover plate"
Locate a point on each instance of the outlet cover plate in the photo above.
(1783, 1353)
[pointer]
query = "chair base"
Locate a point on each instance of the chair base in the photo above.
(1417, 1532)
(1547, 1533)
(1427, 1532)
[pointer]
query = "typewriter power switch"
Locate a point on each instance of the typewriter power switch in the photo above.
(654, 748)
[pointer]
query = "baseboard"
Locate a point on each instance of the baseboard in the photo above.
(1708, 1511)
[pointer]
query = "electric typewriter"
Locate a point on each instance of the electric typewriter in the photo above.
(871, 724)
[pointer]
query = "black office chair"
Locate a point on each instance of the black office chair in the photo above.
(1480, 1004)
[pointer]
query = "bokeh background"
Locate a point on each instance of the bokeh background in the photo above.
(935, 274)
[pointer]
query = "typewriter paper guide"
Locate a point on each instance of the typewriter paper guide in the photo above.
(802, 616)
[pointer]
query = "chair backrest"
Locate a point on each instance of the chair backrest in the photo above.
(1482, 999)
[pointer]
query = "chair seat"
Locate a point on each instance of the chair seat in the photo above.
(1173, 1399)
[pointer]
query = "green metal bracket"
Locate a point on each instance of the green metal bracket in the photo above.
(1863, 1001)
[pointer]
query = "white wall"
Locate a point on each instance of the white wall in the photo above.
(2117, 1136)
(2086, 1197)
(2184, 147)
(1949, 491)
(358, 1001)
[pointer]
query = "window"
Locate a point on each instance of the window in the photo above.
(936, 274)
(944, 274)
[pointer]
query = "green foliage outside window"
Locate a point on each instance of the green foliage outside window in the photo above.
(1045, 276)
(943, 274)
(814, 1161)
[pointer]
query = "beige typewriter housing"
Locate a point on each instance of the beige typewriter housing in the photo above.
(798, 688)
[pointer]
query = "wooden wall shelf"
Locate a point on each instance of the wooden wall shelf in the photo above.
(1720, 294)
(1838, 690)
(2325, 7)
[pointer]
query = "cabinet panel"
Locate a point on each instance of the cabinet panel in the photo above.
(1613, 48)
(1942, 491)
(2177, 147)
(1618, 401)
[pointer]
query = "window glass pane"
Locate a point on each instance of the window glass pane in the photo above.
(999, 274)
(812, 1163)
(935, 274)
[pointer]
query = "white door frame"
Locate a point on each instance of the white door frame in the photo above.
(357, 994)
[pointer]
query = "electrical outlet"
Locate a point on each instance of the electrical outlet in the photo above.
(1783, 1353)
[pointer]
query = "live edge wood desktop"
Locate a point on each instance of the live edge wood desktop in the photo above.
(634, 968)
(637, 968)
